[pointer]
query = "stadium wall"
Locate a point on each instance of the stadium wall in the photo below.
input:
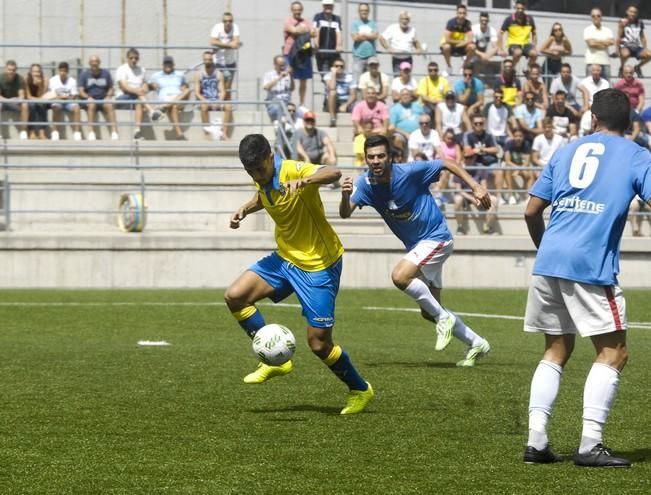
(191, 260)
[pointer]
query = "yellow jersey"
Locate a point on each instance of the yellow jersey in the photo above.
(303, 234)
(433, 89)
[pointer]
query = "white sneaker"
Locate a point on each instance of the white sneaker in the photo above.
(502, 201)
(76, 136)
(23, 135)
(512, 200)
(114, 136)
(447, 72)
(54, 136)
(91, 136)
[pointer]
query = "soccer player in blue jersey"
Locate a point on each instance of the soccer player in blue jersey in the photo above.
(307, 261)
(400, 194)
(590, 184)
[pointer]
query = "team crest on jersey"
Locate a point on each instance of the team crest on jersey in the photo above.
(299, 166)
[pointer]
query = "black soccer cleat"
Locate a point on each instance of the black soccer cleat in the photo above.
(544, 456)
(600, 456)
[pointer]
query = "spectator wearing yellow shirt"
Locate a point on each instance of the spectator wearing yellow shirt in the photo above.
(358, 143)
(509, 84)
(432, 88)
(521, 36)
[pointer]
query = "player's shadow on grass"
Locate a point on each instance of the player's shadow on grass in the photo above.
(297, 408)
(637, 455)
(404, 364)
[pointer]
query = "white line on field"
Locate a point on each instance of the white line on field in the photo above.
(631, 324)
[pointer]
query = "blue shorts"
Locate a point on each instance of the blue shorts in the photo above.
(300, 71)
(228, 70)
(316, 291)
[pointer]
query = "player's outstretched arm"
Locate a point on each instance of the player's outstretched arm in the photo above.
(346, 207)
(478, 191)
(533, 216)
(326, 174)
(253, 205)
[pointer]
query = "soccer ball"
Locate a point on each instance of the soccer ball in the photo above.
(274, 344)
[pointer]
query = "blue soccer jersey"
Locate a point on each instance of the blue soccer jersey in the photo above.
(406, 203)
(590, 184)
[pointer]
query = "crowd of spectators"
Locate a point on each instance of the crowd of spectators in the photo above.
(504, 126)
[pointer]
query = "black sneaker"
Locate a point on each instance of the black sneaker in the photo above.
(544, 456)
(600, 456)
(638, 71)
(333, 122)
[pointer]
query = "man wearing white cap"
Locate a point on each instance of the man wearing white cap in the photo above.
(328, 36)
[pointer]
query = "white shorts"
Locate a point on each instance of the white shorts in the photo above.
(558, 307)
(429, 256)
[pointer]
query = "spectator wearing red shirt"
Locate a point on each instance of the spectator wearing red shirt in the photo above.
(633, 88)
(371, 109)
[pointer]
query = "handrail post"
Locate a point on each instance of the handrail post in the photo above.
(5, 186)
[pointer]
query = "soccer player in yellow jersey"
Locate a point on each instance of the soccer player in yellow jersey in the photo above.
(307, 262)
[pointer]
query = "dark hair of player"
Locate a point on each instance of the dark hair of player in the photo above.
(373, 141)
(612, 109)
(254, 148)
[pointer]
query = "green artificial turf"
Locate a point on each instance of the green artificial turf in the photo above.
(84, 409)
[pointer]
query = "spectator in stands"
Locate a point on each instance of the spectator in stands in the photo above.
(36, 92)
(545, 145)
(633, 88)
(571, 86)
(637, 206)
(401, 42)
(564, 116)
(358, 143)
(375, 79)
(404, 81)
(632, 40)
(279, 85)
(480, 148)
(12, 87)
(457, 38)
(404, 118)
(450, 114)
(364, 33)
(509, 84)
(555, 47)
(371, 109)
(528, 117)
(497, 116)
(482, 143)
(485, 37)
(470, 91)
(520, 30)
(172, 88)
(594, 82)
(636, 131)
(314, 145)
(290, 124)
(225, 37)
(341, 91)
(517, 155)
(65, 88)
(210, 89)
(328, 37)
(131, 90)
(298, 47)
(432, 88)
(536, 86)
(598, 39)
(424, 140)
(96, 84)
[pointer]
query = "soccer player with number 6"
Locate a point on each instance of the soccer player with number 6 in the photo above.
(590, 184)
